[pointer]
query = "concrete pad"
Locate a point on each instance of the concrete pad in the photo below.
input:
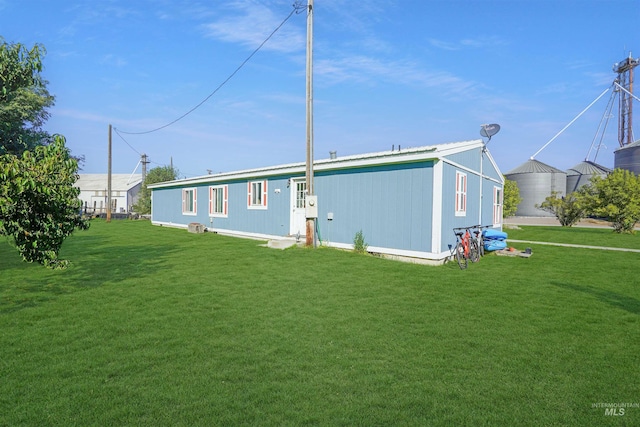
(281, 244)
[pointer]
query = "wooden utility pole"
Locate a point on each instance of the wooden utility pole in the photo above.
(109, 180)
(311, 222)
(144, 160)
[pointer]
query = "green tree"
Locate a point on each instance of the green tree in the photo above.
(568, 209)
(24, 98)
(616, 198)
(39, 205)
(157, 174)
(511, 198)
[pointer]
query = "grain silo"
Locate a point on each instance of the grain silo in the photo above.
(536, 181)
(582, 173)
(628, 157)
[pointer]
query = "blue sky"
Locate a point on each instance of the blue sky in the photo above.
(386, 72)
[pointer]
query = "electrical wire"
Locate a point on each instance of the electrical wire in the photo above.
(125, 141)
(297, 8)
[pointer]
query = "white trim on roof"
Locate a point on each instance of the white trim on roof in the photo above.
(407, 155)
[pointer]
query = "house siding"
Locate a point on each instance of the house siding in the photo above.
(449, 218)
(404, 203)
(470, 159)
(272, 220)
(391, 204)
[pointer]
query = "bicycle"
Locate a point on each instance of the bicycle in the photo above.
(479, 237)
(466, 247)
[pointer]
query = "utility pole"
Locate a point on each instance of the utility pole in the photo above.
(144, 160)
(109, 180)
(311, 221)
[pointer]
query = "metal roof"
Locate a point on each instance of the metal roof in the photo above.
(633, 144)
(403, 155)
(98, 181)
(534, 166)
(588, 168)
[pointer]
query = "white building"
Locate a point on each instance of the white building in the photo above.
(93, 192)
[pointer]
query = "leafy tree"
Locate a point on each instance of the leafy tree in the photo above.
(616, 198)
(39, 205)
(511, 198)
(24, 98)
(568, 209)
(157, 174)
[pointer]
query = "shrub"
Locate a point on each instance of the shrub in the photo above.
(359, 244)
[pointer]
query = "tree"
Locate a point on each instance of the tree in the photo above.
(24, 98)
(568, 209)
(157, 174)
(39, 205)
(511, 198)
(616, 198)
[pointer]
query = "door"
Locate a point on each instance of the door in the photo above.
(298, 190)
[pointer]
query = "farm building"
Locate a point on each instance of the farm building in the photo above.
(581, 174)
(405, 202)
(93, 192)
(628, 157)
(536, 181)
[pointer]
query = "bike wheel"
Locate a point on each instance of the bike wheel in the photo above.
(474, 251)
(462, 260)
(481, 246)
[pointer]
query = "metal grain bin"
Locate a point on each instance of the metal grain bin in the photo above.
(536, 181)
(628, 157)
(582, 173)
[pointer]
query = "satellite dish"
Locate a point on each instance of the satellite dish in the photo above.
(489, 130)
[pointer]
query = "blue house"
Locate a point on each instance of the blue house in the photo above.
(406, 202)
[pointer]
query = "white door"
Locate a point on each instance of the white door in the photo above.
(298, 190)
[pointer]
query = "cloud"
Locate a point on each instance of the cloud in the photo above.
(82, 115)
(252, 23)
(111, 59)
(482, 42)
(368, 70)
(441, 44)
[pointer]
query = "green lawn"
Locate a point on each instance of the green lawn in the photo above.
(156, 326)
(576, 235)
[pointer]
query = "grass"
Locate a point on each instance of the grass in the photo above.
(576, 235)
(156, 326)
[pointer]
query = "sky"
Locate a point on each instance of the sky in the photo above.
(386, 73)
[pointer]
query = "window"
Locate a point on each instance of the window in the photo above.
(301, 191)
(257, 195)
(497, 205)
(218, 201)
(189, 201)
(461, 194)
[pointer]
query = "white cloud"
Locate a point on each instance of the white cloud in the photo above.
(114, 60)
(368, 70)
(252, 24)
(82, 115)
(482, 42)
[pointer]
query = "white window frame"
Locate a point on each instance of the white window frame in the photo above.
(257, 194)
(301, 194)
(498, 201)
(461, 194)
(221, 209)
(185, 208)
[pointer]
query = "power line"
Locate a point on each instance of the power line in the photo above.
(297, 8)
(125, 141)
